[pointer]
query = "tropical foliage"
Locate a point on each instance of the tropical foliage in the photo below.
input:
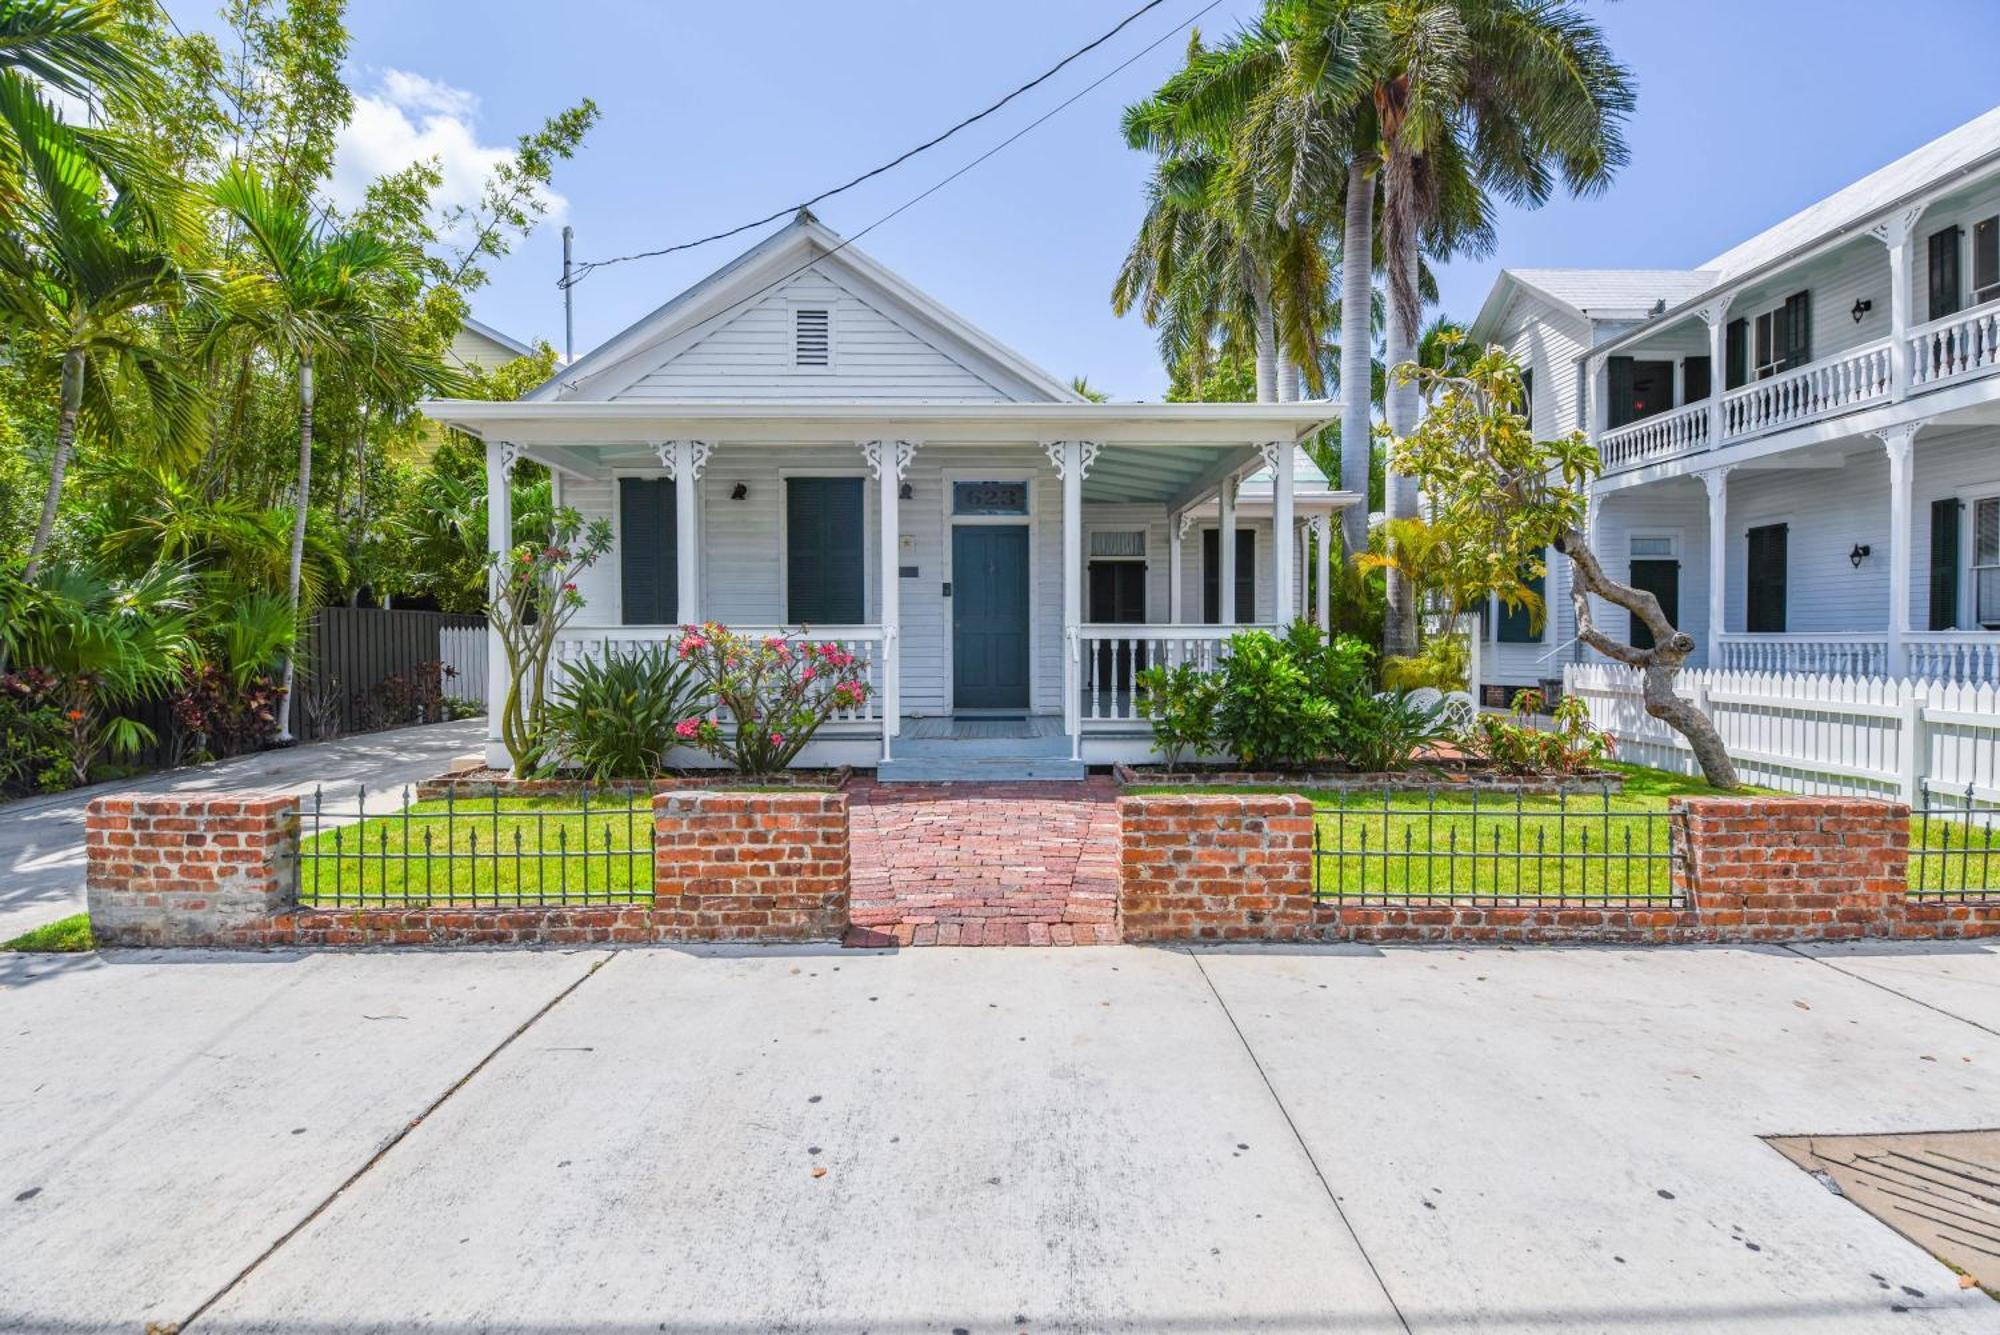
(775, 691)
(615, 717)
(534, 595)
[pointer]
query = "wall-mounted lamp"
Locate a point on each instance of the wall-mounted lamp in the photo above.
(903, 493)
(1861, 553)
(740, 492)
(1861, 307)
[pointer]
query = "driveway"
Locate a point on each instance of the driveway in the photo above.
(41, 838)
(976, 1140)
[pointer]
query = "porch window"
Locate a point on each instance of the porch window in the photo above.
(1764, 596)
(1784, 336)
(1986, 562)
(1986, 260)
(989, 498)
(824, 580)
(648, 554)
(1211, 576)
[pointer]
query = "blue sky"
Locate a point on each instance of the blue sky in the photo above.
(717, 112)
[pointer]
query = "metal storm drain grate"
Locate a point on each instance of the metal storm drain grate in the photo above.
(1939, 1189)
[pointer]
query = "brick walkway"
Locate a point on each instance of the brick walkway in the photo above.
(975, 864)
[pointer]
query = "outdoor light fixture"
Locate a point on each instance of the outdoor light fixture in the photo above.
(1859, 554)
(903, 493)
(740, 492)
(1861, 307)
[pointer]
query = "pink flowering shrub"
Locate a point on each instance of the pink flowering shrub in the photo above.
(774, 692)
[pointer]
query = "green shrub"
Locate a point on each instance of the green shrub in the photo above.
(1384, 732)
(614, 717)
(31, 734)
(1181, 701)
(1270, 712)
(776, 690)
(1514, 743)
(1445, 663)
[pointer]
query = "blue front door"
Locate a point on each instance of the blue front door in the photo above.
(989, 617)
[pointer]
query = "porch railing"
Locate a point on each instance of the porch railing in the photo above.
(575, 643)
(1830, 385)
(1839, 653)
(1955, 347)
(1953, 655)
(1665, 436)
(1112, 656)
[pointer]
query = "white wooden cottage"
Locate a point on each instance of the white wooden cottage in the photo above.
(1800, 438)
(804, 440)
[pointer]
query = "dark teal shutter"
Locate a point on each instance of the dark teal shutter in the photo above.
(824, 564)
(1621, 390)
(1764, 596)
(1736, 354)
(1944, 564)
(1944, 273)
(1211, 576)
(1696, 383)
(1797, 326)
(1516, 625)
(1985, 259)
(648, 552)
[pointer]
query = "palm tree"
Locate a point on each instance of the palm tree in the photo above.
(80, 266)
(315, 296)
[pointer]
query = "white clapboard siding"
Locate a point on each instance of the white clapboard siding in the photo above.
(1859, 736)
(751, 356)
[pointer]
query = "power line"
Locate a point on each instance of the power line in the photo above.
(914, 200)
(583, 270)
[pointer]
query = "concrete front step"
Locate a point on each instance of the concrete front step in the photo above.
(981, 769)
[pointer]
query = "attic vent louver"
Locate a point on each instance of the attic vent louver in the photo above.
(812, 336)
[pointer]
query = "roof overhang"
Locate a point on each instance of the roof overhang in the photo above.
(801, 423)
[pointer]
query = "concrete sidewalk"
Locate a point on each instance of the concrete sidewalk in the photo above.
(939, 1140)
(41, 838)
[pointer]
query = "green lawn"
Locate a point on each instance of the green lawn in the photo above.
(519, 851)
(65, 935)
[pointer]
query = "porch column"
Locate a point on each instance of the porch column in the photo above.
(1072, 460)
(1895, 232)
(684, 460)
(1680, 382)
(1716, 316)
(1599, 416)
(1717, 482)
(1897, 440)
(1177, 529)
(1322, 528)
(889, 460)
(1225, 554)
(500, 457)
(1278, 455)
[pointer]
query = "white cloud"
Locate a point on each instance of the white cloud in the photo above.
(407, 118)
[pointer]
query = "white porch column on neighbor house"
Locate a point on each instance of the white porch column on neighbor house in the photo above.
(684, 460)
(1072, 460)
(1680, 382)
(500, 456)
(1716, 316)
(1599, 387)
(1717, 482)
(1322, 529)
(1897, 441)
(1225, 554)
(890, 462)
(1284, 569)
(1178, 524)
(1895, 232)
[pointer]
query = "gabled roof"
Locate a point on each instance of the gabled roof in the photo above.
(1972, 143)
(492, 335)
(803, 243)
(1620, 294)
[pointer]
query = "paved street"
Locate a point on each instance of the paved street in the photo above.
(978, 1140)
(41, 838)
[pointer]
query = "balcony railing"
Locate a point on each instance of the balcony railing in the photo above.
(1113, 655)
(1956, 347)
(1665, 436)
(575, 643)
(1818, 389)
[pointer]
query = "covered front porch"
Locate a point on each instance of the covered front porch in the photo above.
(984, 561)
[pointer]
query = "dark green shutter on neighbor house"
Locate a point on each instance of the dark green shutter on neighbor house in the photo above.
(1736, 354)
(648, 553)
(824, 583)
(1944, 564)
(1619, 370)
(1695, 385)
(1764, 596)
(1796, 330)
(1516, 624)
(1944, 273)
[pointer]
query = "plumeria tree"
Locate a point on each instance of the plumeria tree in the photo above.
(775, 691)
(1503, 498)
(534, 595)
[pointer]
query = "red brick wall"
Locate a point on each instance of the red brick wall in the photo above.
(193, 870)
(1796, 868)
(769, 866)
(1224, 868)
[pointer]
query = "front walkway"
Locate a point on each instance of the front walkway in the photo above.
(985, 864)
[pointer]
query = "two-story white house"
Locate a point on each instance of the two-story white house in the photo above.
(1800, 438)
(805, 441)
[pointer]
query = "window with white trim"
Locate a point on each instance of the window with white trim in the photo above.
(812, 336)
(1986, 562)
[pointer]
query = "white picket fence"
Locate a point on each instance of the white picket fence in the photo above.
(462, 650)
(1854, 736)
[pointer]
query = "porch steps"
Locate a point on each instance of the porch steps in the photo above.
(980, 751)
(982, 769)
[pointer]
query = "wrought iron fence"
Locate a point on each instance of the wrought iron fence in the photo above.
(480, 853)
(1955, 849)
(1447, 848)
